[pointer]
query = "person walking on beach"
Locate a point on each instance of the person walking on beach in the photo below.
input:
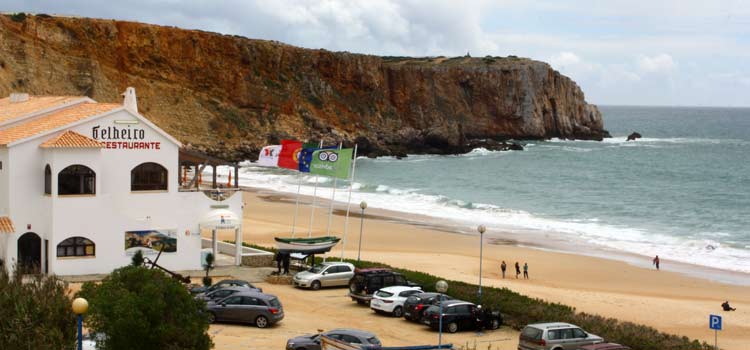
(503, 267)
(525, 271)
(518, 269)
(656, 262)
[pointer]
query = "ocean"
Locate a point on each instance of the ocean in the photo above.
(682, 191)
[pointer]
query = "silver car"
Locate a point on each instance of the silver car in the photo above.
(326, 274)
(555, 336)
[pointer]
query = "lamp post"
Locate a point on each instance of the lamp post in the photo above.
(80, 306)
(441, 287)
(481, 230)
(362, 205)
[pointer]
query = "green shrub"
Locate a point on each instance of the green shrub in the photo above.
(139, 308)
(137, 259)
(35, 313)
(18, 17)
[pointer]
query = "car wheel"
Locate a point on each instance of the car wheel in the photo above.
(495, 324)
(361, 302)
(452, 327)
(398, 311)
(211, 317)
(315, 285)
(261, 322)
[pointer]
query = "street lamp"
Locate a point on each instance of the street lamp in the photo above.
(362, 205)
(80, 306)
(441, 287)
(481, 230)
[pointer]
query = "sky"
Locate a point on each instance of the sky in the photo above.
(635, 52)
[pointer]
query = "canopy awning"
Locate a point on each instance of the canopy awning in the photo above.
(220, 219)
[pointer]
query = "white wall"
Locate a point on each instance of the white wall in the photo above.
(4, 182)
(105, 217)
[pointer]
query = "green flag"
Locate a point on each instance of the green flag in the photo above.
(331, 162)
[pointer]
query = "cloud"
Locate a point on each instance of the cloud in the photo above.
(661, 63)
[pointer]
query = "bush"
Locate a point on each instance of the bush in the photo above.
(139, 308)
(18, 17)
(137, 259)
(35, 314)
(519, 310)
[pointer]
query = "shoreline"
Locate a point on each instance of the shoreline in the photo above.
(668, 301)
(553, 242)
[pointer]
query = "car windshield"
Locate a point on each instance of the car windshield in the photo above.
(374, 341)
(317, 268)
(383, 294)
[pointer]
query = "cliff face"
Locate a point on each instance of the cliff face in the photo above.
(231, 95)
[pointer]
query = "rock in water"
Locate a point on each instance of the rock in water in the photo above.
(634, 136)
(230, 96)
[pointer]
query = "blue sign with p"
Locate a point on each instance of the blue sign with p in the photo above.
(714, 322)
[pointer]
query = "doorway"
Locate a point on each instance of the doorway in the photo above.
(29, 253)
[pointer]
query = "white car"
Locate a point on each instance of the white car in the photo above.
(391, 300)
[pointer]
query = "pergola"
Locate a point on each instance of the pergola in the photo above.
(191, 159)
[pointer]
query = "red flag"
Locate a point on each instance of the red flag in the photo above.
(288, 157)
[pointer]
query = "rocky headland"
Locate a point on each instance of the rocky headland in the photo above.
(229, 96)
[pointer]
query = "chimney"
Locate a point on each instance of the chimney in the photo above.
(130, 101)
(16, 97)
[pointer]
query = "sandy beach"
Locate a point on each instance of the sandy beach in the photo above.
(669, 301)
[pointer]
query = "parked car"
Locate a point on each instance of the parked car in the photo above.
(367, 281)
(326, 274)
(415, 305)
(555, 336)
(604, 346)
(225, 292)
(352, 336)
(391, 300)
(222, 284)
(260, 309)
(461, 315)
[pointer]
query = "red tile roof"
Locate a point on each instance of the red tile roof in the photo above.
(6, 226)
(54, 121)
(12, 110)
(71, 139)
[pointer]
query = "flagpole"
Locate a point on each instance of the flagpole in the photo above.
(312, 207)
(296, 203)
(349, 201)
(330, 206)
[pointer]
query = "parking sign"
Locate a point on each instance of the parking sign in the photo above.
(714, 322)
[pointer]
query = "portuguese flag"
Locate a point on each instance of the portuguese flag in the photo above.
(288, 157)
(332, 162)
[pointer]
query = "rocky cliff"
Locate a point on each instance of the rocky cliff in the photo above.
(231, 95)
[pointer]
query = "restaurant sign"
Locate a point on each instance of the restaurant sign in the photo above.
(115, 137)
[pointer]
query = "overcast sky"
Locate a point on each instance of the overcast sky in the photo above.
(650, 52)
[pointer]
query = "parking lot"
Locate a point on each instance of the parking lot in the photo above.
(308, 311)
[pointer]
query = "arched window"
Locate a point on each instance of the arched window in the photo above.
(76, 246)
(148, 177)
(76, 179)
(47, 180)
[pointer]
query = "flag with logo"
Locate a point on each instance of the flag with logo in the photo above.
(288, 156)
(269, 155)
(306, 155)
(332, 162)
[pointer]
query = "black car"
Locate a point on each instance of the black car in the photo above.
(461, 315)
(415, 305)
(368, 281)
(223, 284)
(351, 336)
(222, 293)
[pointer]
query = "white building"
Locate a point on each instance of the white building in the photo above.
(83, 185)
